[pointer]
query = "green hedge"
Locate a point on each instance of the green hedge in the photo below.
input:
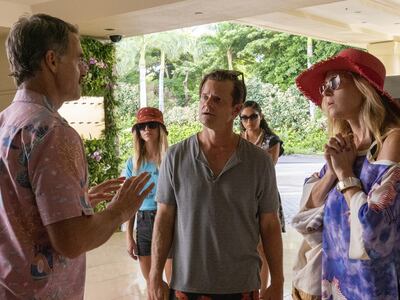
(179, 132)
(308, 141)
(100, 82)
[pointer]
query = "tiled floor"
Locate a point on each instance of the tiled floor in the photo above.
(113, 275)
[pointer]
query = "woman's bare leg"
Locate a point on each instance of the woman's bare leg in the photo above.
(168, 270)
(264, 273)
(145, 264)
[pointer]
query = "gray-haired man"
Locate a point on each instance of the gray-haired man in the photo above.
(46, 220)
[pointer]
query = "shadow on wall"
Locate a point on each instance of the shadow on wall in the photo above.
(392, 85)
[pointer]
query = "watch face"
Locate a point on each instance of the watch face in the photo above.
(340, 186)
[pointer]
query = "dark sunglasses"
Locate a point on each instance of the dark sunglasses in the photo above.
(252, 117)
(333, 83)
(150, 125)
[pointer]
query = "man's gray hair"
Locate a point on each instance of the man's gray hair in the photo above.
(29, 40)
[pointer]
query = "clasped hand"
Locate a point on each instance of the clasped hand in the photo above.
(340, 154)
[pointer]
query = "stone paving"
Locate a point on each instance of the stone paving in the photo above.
(290, 174)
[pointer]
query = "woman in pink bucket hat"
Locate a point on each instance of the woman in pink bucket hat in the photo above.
(355, 199)
(149, 146)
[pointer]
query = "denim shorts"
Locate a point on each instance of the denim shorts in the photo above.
(144, 231)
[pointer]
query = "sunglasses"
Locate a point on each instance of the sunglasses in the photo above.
(252, 117)
(333, 84)
(150, 125)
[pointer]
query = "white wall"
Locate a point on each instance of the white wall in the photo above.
(7, 86)
(85, 115)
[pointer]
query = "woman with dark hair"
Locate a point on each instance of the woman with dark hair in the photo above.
(254, 128)
(149, 145)
(358, 189)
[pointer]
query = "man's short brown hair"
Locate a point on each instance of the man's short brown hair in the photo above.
(29, 40)
(239, 88)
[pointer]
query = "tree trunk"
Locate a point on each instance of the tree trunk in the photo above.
(161, 82)
(186, 88)
(142, 74)
(309, 56)
(166, 71)
(229, 55)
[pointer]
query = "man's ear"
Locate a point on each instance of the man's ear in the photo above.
(237, 108)
(51, 60)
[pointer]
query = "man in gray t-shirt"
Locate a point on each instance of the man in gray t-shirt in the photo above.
(216, 195)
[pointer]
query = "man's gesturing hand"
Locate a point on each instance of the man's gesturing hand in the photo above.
(131, 195)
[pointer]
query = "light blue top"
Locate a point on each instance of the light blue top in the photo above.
(149, 202)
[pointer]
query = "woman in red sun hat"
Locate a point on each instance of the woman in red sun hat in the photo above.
(149, 146)
(357, 190)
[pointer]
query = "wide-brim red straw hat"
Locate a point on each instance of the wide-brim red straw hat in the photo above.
(353, 60)
(149, 114)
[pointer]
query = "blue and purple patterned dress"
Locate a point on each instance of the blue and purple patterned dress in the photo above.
(361, 246)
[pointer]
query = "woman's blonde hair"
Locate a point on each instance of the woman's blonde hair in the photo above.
(376, 113)
(139, 148)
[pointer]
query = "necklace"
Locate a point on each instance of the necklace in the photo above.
(258, 140)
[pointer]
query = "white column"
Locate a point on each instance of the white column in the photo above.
(309, 56)
(389, 54)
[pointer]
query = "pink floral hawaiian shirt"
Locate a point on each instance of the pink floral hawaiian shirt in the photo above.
(43, 180)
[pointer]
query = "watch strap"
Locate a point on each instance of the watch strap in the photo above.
(348, 182)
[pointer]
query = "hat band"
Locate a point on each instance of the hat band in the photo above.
(372, 76)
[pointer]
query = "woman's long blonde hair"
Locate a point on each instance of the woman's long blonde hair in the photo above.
(139, 147)
(376, 113)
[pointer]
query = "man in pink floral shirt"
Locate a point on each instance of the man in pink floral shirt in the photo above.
(46, 220)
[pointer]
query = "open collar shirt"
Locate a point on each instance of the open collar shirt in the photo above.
(43, 180)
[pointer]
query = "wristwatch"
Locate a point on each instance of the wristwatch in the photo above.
(348, 182)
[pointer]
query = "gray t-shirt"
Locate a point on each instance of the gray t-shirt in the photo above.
(217, 220)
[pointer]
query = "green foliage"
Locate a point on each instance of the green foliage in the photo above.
(287, 113)
(270, 60)
(100, 59)
(229, 39)
(182, 122)
(322, 50)
(179, 132)
(100, 81)
(127, 96)
(100, 158)
(310, 140)
(279, 107)
(278, 58)
(182, 115)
